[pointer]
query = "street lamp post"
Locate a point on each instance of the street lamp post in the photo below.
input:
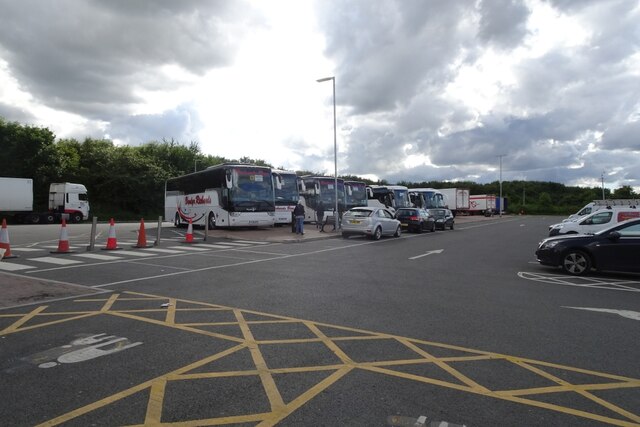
(501, 201)
(335, 146)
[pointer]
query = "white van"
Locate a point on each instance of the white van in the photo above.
(596, 221)
(596, 205)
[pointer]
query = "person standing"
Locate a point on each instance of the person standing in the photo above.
(319, 214)
(298, 212)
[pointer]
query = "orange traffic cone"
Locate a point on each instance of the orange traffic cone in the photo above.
(4, 241)
(142, 236)
(189, 237)
(63, 243)
(112, 243)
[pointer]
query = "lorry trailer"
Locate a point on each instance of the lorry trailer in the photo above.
(66, 200)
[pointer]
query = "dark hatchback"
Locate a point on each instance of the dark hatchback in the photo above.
(414, 219)
(444, 218)
(614, 249)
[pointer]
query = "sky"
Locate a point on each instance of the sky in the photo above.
(424, 89)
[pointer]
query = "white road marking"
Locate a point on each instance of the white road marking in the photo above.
(14, 267)
(252, 242)
(437, 251)
(582, 282)
(633, 315)
(136, 253)
(25, 249)
(57, 261)
(189, 248)
(164, 251)
(220, 246)
(98, 256)
(236, 244)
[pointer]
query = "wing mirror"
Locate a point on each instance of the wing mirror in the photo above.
(614, 235)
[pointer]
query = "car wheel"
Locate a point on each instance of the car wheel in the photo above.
(345, 236)
(420, 228)
(576, 262)
(433, 227)
(377, 234)
(399, 232)
(451, 226)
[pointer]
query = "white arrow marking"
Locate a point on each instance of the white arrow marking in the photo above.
(634, 315)
(437, 251)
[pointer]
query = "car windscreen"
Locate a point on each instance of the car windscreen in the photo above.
(362, 213)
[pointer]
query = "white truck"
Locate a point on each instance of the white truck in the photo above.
(456, 199)
(596, 205)
(66, 200)
(483, 204)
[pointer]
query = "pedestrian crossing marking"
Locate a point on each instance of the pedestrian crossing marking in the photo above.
(98, 257)
(220, 246)
(236, 244)
(252, 242)
(189, 248)
(136, 253)
(13, 267)
(163, 251)
(57, 261)
(26, 249)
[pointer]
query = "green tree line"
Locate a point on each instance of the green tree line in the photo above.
(127, 182)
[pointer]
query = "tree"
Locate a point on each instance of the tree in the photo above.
(624, 192)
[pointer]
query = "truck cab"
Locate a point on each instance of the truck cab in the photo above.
(69, 198)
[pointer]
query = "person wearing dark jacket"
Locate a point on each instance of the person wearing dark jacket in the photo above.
(298, 212)
(319, 214)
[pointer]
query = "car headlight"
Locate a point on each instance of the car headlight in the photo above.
(549, 244)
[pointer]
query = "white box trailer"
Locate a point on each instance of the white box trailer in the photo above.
(66, 200)
(16, 195)
(482, 204)
(456, 199)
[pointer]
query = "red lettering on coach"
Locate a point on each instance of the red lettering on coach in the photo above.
(197, 200)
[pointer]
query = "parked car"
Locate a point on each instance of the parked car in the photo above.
(616, 248)
(444, 218)
(415, 219)
(370, 221)
(595, 221)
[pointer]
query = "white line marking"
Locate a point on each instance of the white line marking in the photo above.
(164, 251)
(57, 261)
(220, 247)
(13, 267)
(26, 249)
(633, 315)
(189, 248)
(236, 244)
(136, 253)
(252, 242)
(437, 251)
(98, 256)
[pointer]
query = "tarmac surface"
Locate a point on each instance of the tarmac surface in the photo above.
(18, 290)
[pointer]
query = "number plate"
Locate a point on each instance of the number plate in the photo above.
(354, 221)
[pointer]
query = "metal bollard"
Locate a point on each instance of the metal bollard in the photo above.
(92, 236)
(157, 242)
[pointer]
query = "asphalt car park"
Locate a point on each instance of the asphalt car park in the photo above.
(323, 332)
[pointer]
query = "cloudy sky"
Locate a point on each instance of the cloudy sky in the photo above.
(425, 90)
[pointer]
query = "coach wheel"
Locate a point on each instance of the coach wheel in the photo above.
(212, 221)
(176, 221)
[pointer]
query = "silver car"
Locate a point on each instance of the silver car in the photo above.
(370, 221)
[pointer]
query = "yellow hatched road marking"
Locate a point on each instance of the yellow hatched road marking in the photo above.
(24, 319)
(280, 410)
(265, 376)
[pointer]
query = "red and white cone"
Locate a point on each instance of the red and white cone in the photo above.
(112, 243)
(142, 236)
(189, 237)
(4, 241)
(63, 243)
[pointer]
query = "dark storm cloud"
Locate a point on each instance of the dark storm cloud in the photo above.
(88, 57)
(385, 51)
(396, 59)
